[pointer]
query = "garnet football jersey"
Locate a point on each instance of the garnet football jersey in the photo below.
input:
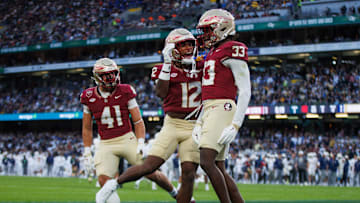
(218, 81)
(111, 114)
(184, 93)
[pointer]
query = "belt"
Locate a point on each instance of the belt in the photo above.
(180, 115)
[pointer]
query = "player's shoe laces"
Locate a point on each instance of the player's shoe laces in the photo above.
(105, 192)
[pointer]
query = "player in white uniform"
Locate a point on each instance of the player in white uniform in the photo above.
(312, 161)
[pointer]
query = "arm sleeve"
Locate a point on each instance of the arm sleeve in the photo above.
(86, 109)
(132, 103)
(241, 75)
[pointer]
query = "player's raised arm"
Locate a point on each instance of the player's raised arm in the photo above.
(162, 85)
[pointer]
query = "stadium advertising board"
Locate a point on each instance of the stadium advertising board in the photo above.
(251, 110)
(308, 48)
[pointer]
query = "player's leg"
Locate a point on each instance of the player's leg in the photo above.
(106, 164)
(207, 163)
(135, 172)
(188, 172)
(210, 150)
(147, 168)
(206, 181)
(234, 193)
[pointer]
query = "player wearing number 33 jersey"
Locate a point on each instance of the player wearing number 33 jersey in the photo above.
(225, 77)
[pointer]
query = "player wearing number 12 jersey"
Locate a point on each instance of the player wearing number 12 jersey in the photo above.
(179, 85)
(225, 76)
(110, 104)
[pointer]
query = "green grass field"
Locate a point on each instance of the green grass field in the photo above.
(32, 189)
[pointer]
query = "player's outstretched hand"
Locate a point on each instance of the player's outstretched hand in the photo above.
(228, 135)
(105, 192)
(88, 161)
(141, 147)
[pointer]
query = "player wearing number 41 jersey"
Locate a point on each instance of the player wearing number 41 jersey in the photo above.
(178, 83)
(110, 104)
(225, 76)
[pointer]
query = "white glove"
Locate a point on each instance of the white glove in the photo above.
(228, 135)
(167, 52)
(196, 133)
(105, 192)
(141, 146)
(88, 161)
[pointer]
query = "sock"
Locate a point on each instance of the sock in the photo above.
(173, 193)
(114, 198)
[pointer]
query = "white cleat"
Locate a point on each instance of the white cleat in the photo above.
(105, 192)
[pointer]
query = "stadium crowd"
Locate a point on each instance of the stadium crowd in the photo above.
(288, 156)
(311, 84)
(31, 22)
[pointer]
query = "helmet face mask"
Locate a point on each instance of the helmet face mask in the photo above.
(106, 74)
(184, 50)
(216, 25)
(185, 46)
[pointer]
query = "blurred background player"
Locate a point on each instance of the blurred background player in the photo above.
(225, 76)
(179, 85)
(110, 103)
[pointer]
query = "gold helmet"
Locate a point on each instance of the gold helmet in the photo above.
(106, 73)
(216, 25)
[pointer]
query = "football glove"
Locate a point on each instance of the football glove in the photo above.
(167, 52)
(228, 134)
(196, 133)
(140, 146)
(105, 192)
(88, 161)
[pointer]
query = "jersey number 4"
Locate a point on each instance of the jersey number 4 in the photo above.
(107, 119)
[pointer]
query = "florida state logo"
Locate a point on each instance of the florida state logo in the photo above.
(89, 93)
(227, 107)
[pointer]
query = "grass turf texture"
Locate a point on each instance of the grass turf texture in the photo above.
(33, 189)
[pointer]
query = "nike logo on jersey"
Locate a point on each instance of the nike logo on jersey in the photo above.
(117, 97)
(173, 75)
(92, 100)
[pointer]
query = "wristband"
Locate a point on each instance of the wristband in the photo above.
(165, 72)
(137, 122)
(164, 76)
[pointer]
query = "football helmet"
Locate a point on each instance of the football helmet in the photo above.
(215, 25)
(106, 73)
(178, 36)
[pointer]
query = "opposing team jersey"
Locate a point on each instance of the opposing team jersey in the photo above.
(184, 93)
(111, 114)
(218, 81)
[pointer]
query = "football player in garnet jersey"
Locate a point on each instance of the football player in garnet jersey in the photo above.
(225, 76)
(111, 103)
(179, 85)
